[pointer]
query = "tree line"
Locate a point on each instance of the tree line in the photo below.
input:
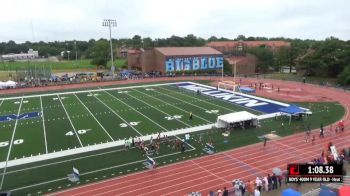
(323, 58)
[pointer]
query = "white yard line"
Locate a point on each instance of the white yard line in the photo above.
(171, 105)
(42, 116)
(11, 142)
(185, 94)
(59, 98)
(94, 117)
(183, 100)
(118, 115)
(2, 101)
(159, 110)
(137, 111)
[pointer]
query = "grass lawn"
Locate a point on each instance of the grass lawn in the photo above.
(109, 115)
(61, 65)
(298, 78)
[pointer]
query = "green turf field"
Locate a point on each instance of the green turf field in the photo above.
(83, 120)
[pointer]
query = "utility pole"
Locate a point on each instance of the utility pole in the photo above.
(76, 53)
(67, 50)
(110, 23)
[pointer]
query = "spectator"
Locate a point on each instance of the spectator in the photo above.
(218, 192)
(279, 178)
(258, 183)
(236, 189)
(211, 193)
(269, 179)
(225, 193)
(274, 181)
(183, 147)
(266, 183)
(256, 192)
(250, 187)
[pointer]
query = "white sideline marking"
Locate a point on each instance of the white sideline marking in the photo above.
(70, 120)
(95, 171)
(94, 117)
(92, 90)
(42, 116)
(173, 106)
(118, 115)
(84, 149)
(9, 151)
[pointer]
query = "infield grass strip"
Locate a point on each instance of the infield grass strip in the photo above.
(107, 118)
(88, 130)
(57, 125)
(6, 128)
(29, 137)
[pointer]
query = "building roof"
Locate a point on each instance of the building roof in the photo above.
(134, 51)
(186, 51)
(248, 43)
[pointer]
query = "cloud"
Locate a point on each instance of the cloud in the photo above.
(37, 20)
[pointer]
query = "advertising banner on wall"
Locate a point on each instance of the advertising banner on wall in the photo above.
(193, 63)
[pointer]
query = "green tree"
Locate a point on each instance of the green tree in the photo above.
(100, 53)
(344, 76)
(265, 58)
(136, 42)
(147, 43)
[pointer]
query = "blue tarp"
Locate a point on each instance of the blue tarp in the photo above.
(325, 191)
(247, 90)
(290, 192)
(292, 109)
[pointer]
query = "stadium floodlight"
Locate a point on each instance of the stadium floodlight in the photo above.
(76, 53)
(110, 23)
(67, 50)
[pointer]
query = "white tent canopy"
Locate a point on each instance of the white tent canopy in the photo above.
(224, 120)
(8, 84)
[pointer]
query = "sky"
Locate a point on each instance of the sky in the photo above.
(51, 20)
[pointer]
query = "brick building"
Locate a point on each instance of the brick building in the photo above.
(235, 53)
(175, 59)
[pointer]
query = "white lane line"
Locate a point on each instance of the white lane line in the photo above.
(59, 98)
(171, 105)
(42, 116)
(118, 115)
(94, 117)
(11, 142)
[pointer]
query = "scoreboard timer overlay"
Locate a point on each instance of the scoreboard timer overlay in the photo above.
(303, 173)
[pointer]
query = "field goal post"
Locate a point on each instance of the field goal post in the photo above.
(228, 85)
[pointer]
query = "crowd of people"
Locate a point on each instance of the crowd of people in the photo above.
(252, 187)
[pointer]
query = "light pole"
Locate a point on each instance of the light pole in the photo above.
(76, 54)
(110, 23)
(67, 51)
